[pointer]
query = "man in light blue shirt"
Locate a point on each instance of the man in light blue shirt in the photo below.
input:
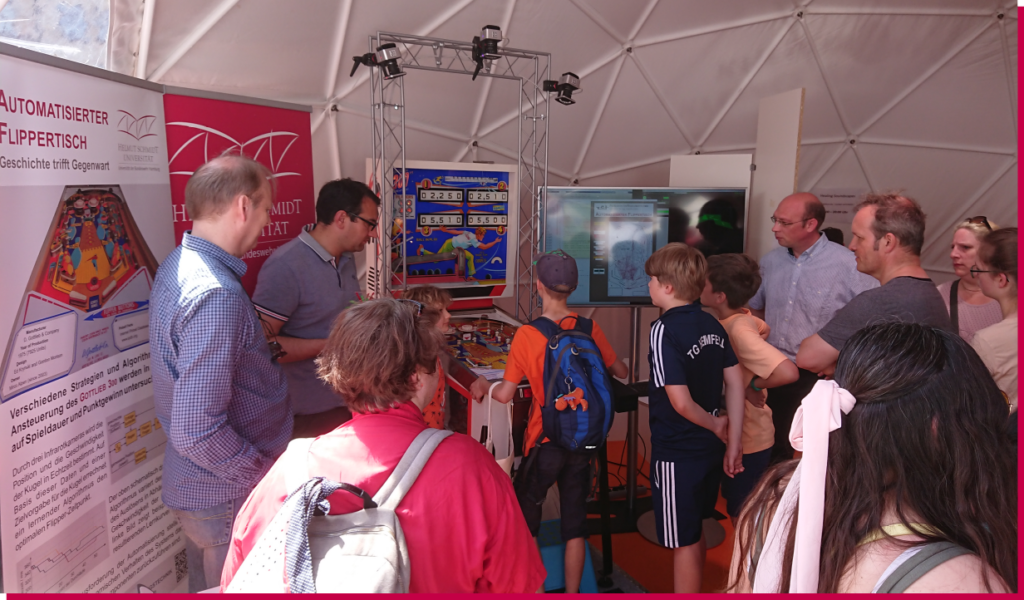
(304, 286)
(803, 283)
(219, 396)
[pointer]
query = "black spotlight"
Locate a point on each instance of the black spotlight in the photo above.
(386, 57)
(485, 46)
(565, 86)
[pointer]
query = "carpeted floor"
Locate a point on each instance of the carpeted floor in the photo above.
(650, 564)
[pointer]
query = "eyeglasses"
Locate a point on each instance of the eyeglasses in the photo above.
(975, 270)
(418, 305)
(372, 224)
(785, 224)
(980, 221)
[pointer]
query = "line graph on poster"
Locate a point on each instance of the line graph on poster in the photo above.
(58, 564)
(134, 436)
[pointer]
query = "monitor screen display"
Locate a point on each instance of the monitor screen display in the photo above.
(612, 231)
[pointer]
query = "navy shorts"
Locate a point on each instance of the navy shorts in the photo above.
(546, 465)
(685, 493)
(736, 489)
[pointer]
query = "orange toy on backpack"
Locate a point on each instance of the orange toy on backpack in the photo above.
(573, 399)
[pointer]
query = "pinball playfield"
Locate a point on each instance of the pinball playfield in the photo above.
(480, 344)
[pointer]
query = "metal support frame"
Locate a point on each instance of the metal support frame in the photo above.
(632, 426)
(387, 105)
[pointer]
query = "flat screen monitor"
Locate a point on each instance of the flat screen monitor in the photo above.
(612, 231)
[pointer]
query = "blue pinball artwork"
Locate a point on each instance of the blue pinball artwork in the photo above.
(456, 227)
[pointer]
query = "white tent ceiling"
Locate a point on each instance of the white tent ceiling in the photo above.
(918, 95)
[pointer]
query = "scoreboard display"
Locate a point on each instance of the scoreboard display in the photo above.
(455, 227)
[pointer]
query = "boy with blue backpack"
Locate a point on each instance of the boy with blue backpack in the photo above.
(691, 441)
(567, 360)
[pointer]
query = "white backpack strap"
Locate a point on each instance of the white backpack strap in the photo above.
(408, 469)
(297, 472)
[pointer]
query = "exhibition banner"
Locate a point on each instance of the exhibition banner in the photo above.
(199, 129)
(87, 218)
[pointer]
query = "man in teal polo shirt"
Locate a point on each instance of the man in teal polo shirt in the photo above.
(303, 287)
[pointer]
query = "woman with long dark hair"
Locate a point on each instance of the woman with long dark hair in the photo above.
(906, 483)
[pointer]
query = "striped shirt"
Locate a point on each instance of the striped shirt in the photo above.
(222, 402)
(799, 295)
(688, 347)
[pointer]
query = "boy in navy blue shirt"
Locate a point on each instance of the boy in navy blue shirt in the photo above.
(691, 442)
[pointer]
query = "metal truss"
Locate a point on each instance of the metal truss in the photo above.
(387, 106)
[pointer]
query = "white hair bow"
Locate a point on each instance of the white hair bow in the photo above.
(819, 414)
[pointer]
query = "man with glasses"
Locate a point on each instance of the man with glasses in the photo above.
(304, 286)
(803, 283)
(888, 232)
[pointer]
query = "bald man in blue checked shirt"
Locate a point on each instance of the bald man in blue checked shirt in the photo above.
(803, 283)
(219, 396)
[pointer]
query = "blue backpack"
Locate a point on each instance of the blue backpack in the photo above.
(577, 411)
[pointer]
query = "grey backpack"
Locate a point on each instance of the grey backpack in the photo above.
(360, 552)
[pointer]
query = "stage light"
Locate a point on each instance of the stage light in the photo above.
(485, 46)
(564, 87)
(386, 57)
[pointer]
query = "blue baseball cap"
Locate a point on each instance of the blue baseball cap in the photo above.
(557, 271)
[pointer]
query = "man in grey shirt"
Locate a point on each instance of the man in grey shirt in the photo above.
(304, 286)
(888, 232)
(803, 283)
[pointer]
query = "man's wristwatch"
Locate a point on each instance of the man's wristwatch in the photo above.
(754, 387)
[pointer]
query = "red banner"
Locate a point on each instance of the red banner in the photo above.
(199, 129)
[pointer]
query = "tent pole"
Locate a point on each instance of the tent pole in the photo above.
(746, 81)
(148, 8)
(824, 76)
(1011, 84)
(332, 132)
(965, 209)
(600, 22)
(643, 19)
(211, 19)
(318, 120)
(924, 77)
(672, 37)
(601, 105)
(661, 98)
(336, 48)
(835, 158)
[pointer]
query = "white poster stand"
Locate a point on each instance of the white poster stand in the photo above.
(777, 160)
(85, 191)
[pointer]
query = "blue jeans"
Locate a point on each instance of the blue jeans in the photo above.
(207, 533)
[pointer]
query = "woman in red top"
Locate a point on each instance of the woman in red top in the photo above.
(462, 525)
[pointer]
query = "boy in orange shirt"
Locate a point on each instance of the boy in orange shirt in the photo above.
(733, 279)
(544, 463)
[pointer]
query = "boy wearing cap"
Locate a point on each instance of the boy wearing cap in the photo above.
(545, 464)
(691, 443)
